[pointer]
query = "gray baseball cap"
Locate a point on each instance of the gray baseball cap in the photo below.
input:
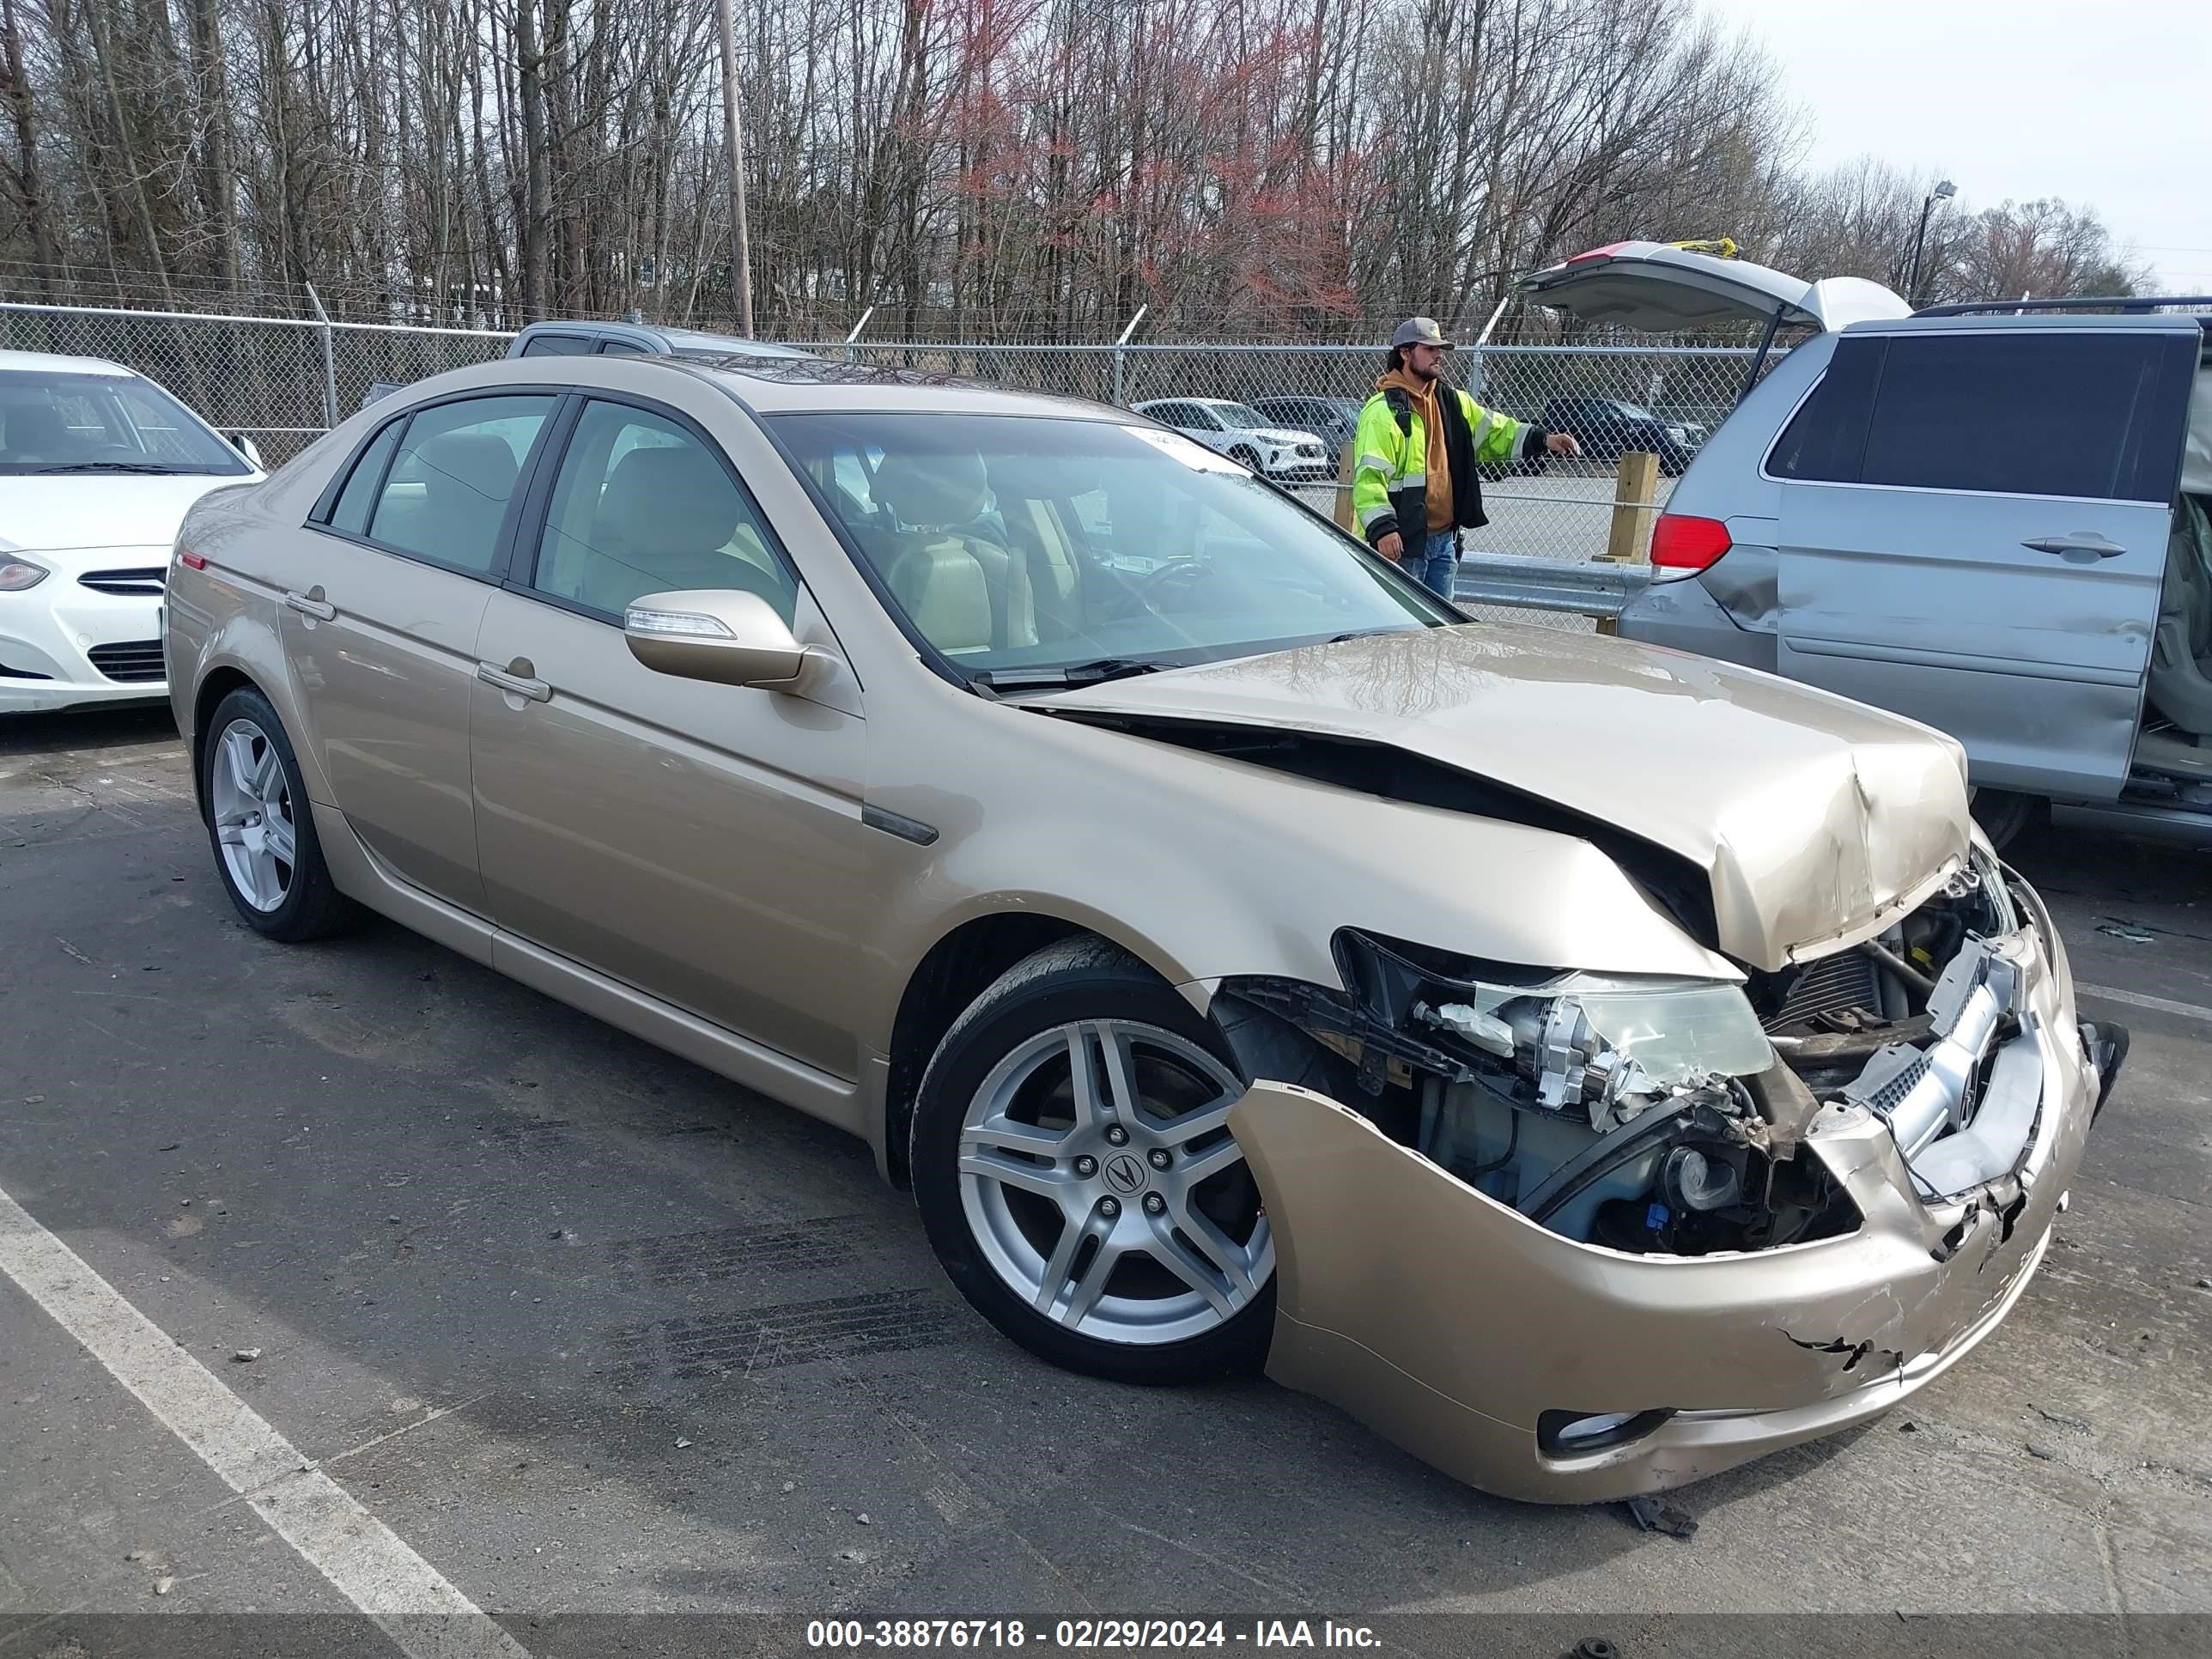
(1421, 331)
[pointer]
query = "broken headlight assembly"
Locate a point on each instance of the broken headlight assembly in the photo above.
(1615, 1110)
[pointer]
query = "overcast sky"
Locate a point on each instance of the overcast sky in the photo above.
(2105, 102)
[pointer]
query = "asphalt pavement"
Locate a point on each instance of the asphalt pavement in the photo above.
(628, 1359)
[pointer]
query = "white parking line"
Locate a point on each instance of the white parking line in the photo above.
(425, 1616)
(2138, 1000)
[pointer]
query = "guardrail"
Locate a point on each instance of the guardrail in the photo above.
(1595, 587)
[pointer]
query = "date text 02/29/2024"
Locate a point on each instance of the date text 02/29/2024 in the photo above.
(1085, 1635)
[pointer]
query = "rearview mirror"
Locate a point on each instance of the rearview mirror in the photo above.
(720, 634)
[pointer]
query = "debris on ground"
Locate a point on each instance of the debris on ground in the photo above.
(245, 1356)
(852, 1555)
(2128, 931)
(2063, 1419)
(164, 1584)
(1594, 1647)
(862, 1517)
(1652, 1513)
(791, 1485)
(2041, 1452)
(2204, 1284)
(681, 1443)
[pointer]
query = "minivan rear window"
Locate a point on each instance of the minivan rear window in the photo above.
(2012, 413)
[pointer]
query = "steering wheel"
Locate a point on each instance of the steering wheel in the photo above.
(1176, 575)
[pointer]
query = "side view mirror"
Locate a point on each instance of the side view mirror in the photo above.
(721, 636)
(245, 446)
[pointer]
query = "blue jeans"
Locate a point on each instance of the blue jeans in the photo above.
(1437, 564)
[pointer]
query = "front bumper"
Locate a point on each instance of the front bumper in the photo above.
(56, 637)
(1451, 1324)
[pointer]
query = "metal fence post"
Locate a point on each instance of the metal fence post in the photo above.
(330, 360)
(1120, 354)
(852, 347)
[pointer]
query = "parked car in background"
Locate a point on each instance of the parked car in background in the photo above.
(1608, 427)
(1026, 789)
(1333, 420)
(604, 339)
(1286, 454)
(1893, 515)
(98, 465)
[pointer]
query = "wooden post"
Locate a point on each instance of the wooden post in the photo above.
(1628, 541)
(1343, 514)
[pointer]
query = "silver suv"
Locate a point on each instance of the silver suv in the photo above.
(1978, 518)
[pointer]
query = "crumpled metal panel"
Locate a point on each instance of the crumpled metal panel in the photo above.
(1817, 821)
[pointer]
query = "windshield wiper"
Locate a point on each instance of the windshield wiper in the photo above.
(1053, 678)
(107, 466)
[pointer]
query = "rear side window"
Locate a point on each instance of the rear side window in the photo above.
(2040, 414)
(2011, 414)
(621, 349)
(557, 345)
(446, 495)
(1826, 439)
(351, 512)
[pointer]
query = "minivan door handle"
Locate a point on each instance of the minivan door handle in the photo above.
(2081, 547)
(313, 605)
(520, 685)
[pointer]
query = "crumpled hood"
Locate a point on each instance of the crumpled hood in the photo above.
(39, 511)
(1817, 820)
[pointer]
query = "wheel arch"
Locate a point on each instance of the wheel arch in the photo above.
(216, 684)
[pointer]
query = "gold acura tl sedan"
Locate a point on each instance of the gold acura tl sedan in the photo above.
(1590, 1064)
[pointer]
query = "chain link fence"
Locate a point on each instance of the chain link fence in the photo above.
(285, 380)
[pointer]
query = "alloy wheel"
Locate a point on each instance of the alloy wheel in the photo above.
(1100, 1180)
(254, 815)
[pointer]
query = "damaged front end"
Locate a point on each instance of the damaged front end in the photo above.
(1658, 1226)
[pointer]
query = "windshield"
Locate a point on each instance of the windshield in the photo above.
(1241, 414)
(52, 423)
(1014, 542)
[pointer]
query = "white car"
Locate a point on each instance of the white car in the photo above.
(1242, 434)
(98, 465)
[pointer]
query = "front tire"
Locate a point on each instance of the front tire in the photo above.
(260, 827)
(1075, 1172)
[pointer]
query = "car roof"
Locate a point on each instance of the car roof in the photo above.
(54, 362)
(1977, 322)
(783, 385)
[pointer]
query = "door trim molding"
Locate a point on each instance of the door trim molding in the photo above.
(1863, 651)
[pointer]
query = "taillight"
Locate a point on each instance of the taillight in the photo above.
(192, 561)
(1681, 541)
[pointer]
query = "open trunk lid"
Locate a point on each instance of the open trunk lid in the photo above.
(1657, 288)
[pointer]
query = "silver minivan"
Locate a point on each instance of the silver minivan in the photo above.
(1978, 518)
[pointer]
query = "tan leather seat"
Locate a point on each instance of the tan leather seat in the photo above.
(939, 499)
(667, 522)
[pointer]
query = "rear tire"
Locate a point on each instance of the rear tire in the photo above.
(1024, 1189)
(260, 827)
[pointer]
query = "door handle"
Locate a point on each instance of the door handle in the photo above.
(309, 607)
(2082, 541)
(521, 686)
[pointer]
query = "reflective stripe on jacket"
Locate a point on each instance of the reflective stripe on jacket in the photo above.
(1389, 471)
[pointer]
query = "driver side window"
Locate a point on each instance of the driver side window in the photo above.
(643, 505)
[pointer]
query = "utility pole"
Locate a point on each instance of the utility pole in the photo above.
(733, 138)
(1944, 191)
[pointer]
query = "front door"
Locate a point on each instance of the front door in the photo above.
(381, 607)
(700, 842)
(1974, 533)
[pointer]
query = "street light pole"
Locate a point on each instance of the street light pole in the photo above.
(734, 139)
(1944, 191)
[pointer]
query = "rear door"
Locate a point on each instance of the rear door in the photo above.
(1973, 528)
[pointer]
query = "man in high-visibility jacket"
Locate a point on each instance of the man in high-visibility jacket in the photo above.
(1414, 486)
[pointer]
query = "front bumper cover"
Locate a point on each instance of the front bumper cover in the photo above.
(1450, 1324)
